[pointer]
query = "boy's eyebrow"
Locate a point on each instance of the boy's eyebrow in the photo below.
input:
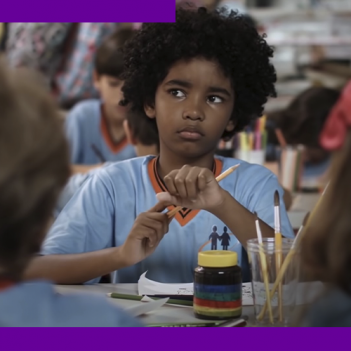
(181, 83)
(219, 90)
(186, 84)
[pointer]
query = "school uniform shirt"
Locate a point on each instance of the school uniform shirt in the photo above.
(36, 304)
(101, 214)
(86, 129)
(73, 184)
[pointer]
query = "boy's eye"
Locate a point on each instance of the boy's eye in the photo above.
(113, 83)
(177, 93)
(215, 99)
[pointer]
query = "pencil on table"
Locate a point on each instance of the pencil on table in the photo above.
(230, 170)
(139, 298)
(98, 153)
(278, 250)
(264, 267)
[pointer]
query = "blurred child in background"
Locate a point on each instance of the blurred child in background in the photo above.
(94, 127)
(139, 132)
(302, 123)
(34, 168)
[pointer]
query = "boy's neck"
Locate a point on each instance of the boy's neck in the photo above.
(114, 127)
(145, 150)
(168, 163)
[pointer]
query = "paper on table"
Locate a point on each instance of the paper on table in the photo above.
(247, 299)
(150, 287)
(144, 308)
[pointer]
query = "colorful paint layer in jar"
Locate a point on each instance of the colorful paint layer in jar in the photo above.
(217, 285)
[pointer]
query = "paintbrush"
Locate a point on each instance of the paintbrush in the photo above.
(278, 250)
(264, 266)
(173, 212)
(286, 263)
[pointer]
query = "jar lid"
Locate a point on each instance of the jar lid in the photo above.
(217, 258)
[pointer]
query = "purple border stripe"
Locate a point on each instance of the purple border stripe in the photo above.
(88, 11)
(154, 339)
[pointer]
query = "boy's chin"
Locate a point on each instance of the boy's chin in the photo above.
(192, 152)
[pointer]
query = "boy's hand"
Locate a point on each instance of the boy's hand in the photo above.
(192, 187)
(147, 232)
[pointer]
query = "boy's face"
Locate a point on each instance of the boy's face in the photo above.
(110, 89)
(193, 105)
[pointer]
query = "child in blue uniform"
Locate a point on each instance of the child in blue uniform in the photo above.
(301, 123)
(139, 133)
(35, 166)
(94, 128)
(199, 79)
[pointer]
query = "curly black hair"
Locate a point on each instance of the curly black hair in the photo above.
(222, 36)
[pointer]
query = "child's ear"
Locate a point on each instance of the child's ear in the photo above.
(230, 126)
(129, 135)
(96, 80)
(150, 111)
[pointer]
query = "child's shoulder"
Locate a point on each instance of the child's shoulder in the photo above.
(47, 308)
(133, 168)
(86, 109)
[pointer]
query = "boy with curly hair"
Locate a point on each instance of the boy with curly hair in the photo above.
(198, 80)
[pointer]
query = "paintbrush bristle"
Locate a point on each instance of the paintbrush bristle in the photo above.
(256, 216)
(305, 220)
(276, 198)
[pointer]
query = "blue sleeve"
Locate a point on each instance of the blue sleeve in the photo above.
(74, 134)
(72, 186)
(86, 223)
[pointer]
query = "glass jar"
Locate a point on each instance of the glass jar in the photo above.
(217, 285)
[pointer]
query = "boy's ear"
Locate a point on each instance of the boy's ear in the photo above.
(150, 111)
(129, 135)
(96, 80)
(230, 126)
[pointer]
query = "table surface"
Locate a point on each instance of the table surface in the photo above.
(165, 314)
(174, 314)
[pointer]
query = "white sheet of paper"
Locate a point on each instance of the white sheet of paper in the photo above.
(146, 307)
(247, 299)
(150, 287)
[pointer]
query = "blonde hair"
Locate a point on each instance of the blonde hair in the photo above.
(34, 167)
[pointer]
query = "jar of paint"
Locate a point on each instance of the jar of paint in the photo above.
(217, 285)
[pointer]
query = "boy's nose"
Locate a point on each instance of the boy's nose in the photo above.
(194, 111)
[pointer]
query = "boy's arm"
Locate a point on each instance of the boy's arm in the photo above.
(260, 191)
(79, 247)
(243, 222)
(75, 268)
(196, 188)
